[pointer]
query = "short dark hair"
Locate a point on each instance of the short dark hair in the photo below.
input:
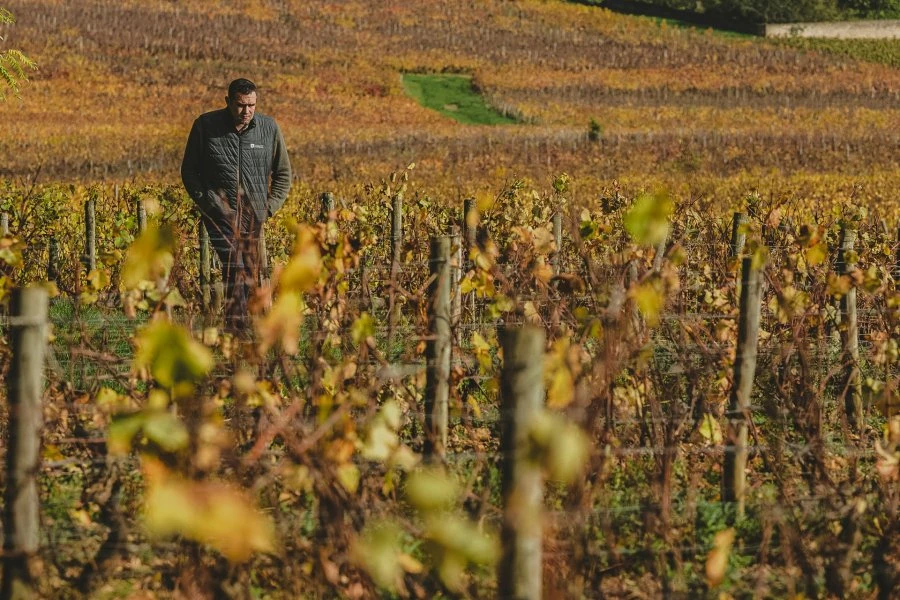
(240, 86)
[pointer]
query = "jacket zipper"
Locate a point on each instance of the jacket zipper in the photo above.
(237, 198)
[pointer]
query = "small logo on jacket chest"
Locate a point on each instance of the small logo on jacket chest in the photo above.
(256, 146)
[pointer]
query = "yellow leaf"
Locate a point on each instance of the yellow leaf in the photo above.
(544, 242)
(649, 299)
(378, 551)
(171, 354)
(816, 254)
(648, 219)
(348, 476)
(431, 489)
(561, 391)
(208, 512)
(122, 430)
(282, 323)
(363, 328)
(561, 447)
(838, 285)
(410, 564)
(98, 278)
(710, 430)
(149, 257)
(542, 271)
(717, 561)
(380, 443)
(302, 272)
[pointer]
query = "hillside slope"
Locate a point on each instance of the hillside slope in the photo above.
(120, 83)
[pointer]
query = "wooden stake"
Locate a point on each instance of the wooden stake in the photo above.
(90, 236)
(396, 258)
(521, 400)
(28, 335)
(558, 238)
(53, 260)
(327, 199)
(659, 254)
(470, 230)
(738, 236)
(141, 213)
(742, 388)
(455, 278)
(264, 270)
(897, 261)
(850, 336)
(205, 268)
(437, 350)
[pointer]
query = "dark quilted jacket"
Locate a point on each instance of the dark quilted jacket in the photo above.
(217, 159)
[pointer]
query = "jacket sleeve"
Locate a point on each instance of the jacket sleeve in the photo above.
(191, 168)
(281, 174)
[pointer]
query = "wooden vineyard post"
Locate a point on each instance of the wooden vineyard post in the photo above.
(4, 224)
(218, 286)
(327, 200)
(53, 260)
(264, 271)
(437, 350)
(470, 229)
(28, 335)
(659, 254)
(213, 295)
(396, 258)
(90, 235)
(738, 236)
(897, 261)
(850, 335)
(470, 214)
(455, 279)
(744, 372)
(141, 215)
(555, 260)
(396, 230)
(205, 268)
(521, 400)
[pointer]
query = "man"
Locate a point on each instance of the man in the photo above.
(237, 172)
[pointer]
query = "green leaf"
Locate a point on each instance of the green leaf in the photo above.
(378, 551)
(431, 489)
(363, 328)
(710, 430)
(172, 355)
(122, 430)
(648, 220)
(166, 431)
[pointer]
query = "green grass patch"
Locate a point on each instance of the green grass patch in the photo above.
(453, 96)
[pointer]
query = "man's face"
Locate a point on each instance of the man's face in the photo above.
(242, 107)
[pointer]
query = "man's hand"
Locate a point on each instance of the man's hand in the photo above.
(219, 200)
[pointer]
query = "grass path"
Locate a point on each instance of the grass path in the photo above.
(454, 97)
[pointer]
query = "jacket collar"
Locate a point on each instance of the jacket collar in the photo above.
(226, 118)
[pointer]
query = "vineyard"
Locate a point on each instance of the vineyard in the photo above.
(636, 339)
(310, 460)
(113, 100)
